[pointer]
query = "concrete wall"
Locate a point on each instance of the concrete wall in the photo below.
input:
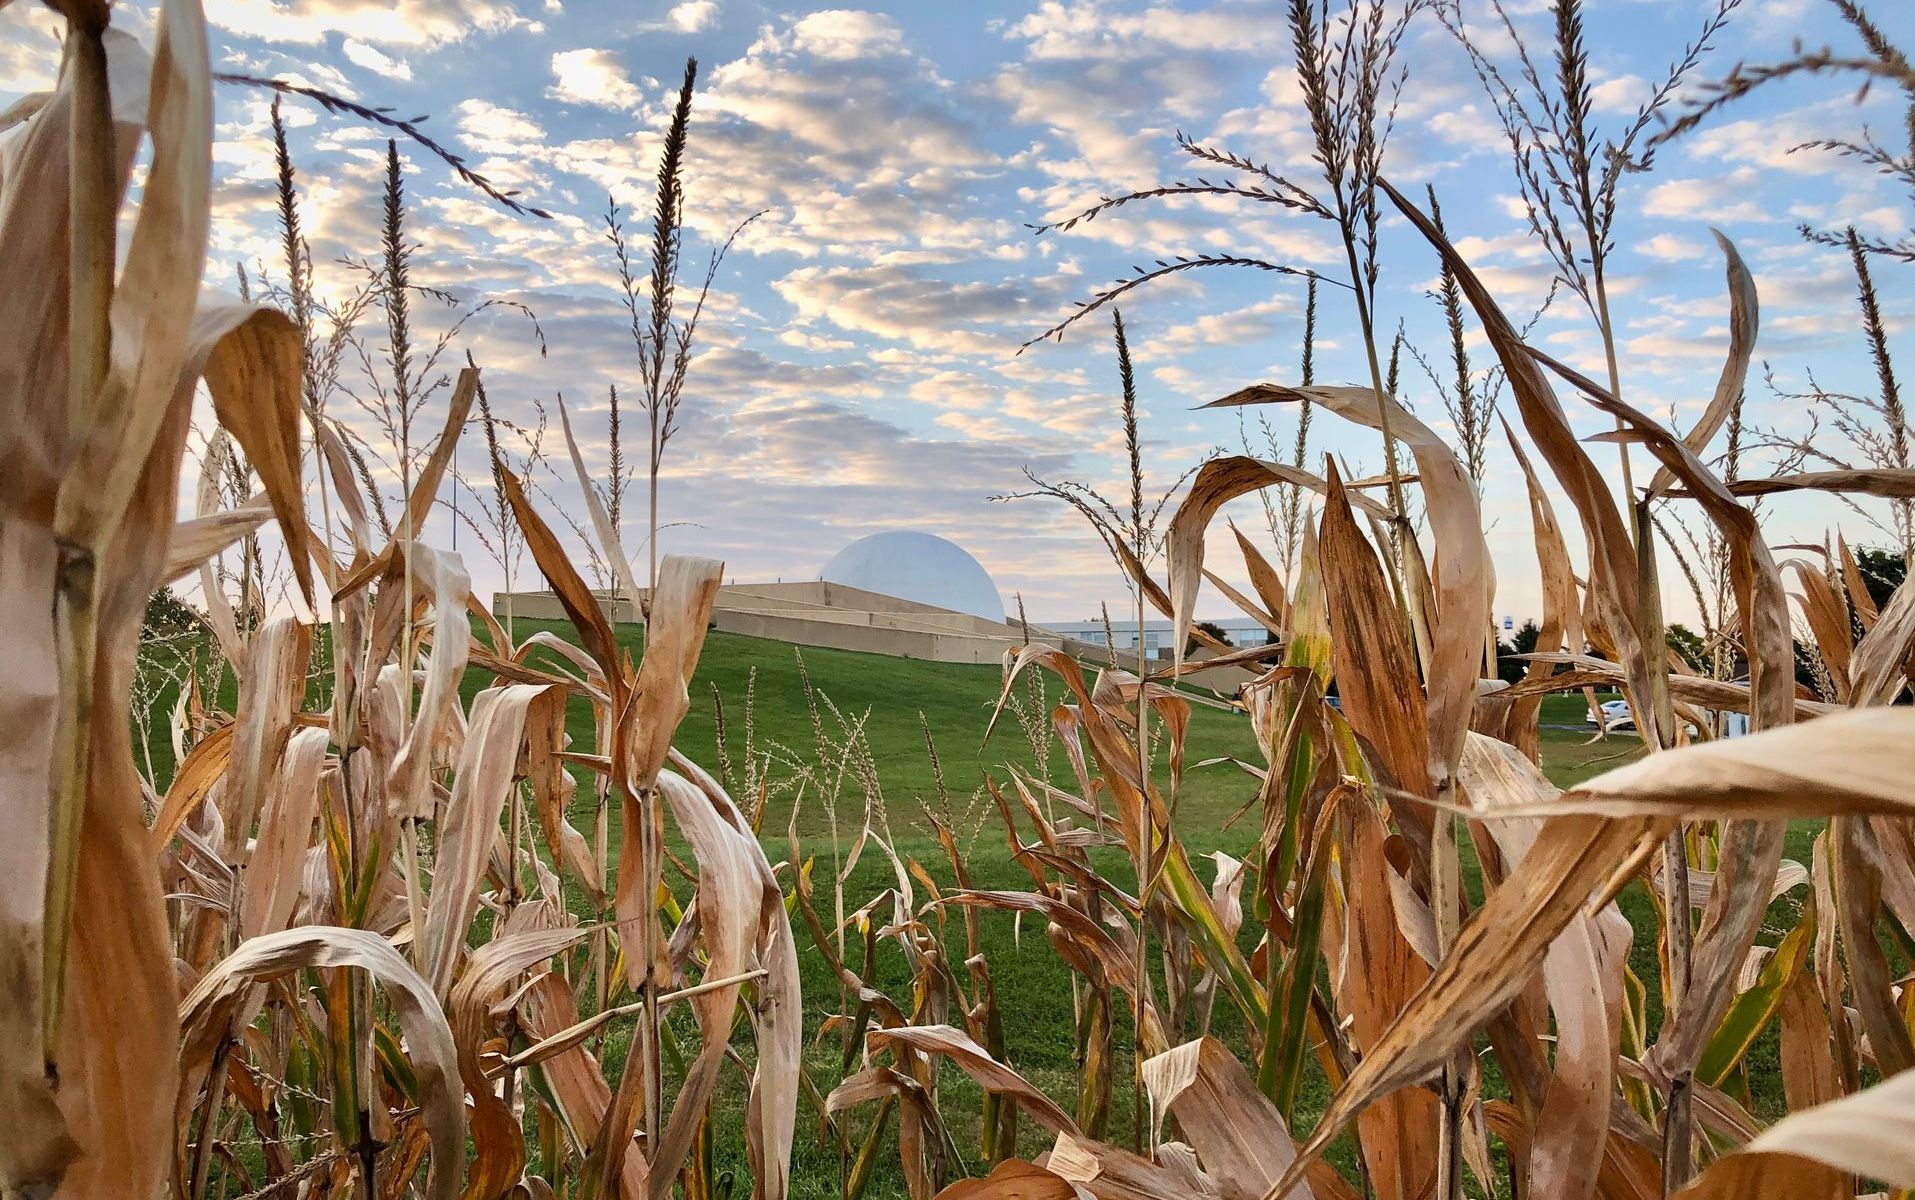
(871, 639)
(846, 618)
(826, 614)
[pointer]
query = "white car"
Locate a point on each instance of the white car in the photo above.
(1616, 715)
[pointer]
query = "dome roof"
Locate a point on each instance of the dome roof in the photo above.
(917, 566)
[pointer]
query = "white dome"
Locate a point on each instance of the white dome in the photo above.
(917, 566)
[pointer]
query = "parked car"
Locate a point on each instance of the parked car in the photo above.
(1616, 715)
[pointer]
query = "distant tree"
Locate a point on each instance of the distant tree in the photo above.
(1882, 572)
(1526, 637)
(167, 614)
(1508, 667)
(1214, 630)
(1688, 643)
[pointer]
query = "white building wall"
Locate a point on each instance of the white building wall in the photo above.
(1242, 631)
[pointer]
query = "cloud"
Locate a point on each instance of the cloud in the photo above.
(855, 363)
(902, 303)
(593, 77)
(1718, 198)
(1620, 96)
(814, 342)
(870, 154)
(375, 60)
(30, 36)
(692, 16)
(1094, 29)
(498, 130)
(1772, 140)
(422, 23)
(1255, 324)
(1667, 247)
(1706, 345)
(841, 33)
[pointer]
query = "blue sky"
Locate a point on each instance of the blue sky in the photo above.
(858, 367)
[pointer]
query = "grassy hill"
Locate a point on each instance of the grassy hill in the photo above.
(887, 696)
(894, 700)
(760, 684)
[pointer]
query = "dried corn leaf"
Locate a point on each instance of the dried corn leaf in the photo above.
(1463, 578)
(1743, 323)
(206, 1016)
(499, 1147)
(674, 634)
(1375, 667)
(271, 688)
(1891, 482)
(485, 778)
(1851, 762)
(425, 485)
(577, 1085)
(1495, 955)
(1562, 616)
(253, 373)
(1236, 1131)
(1871, 1134)
(1880, 666)
(1751, 851)
(275, 869)
(37, 1146)
(777, 1011)
(1218, 482)
(195, 541)
(1379, 974)
(975, 1061)
(1110, 1173)
(1265, 579)
(1718, 694)
(609, 548)
(1582, 979)
(552, 792)
(1612, 581)
(729, 905)
(440, 577)
(1012, 1179)
(581, 606)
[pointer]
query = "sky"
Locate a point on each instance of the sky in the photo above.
(858, 366)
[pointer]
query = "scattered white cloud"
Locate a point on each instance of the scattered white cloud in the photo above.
(423, 23)
(1620, 96)
(1669, 248)
(907, 305)
(1065, 29)
(496, 129)
(693, 16)
(30, 36)
(594, 77)
(842, 33)
(1735, 196)
(375, 60)
(858, 354)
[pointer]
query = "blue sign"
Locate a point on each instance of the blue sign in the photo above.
(1509, 623)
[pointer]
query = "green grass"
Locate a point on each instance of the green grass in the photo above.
(887, 696)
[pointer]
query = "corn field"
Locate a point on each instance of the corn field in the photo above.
(356, 944)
